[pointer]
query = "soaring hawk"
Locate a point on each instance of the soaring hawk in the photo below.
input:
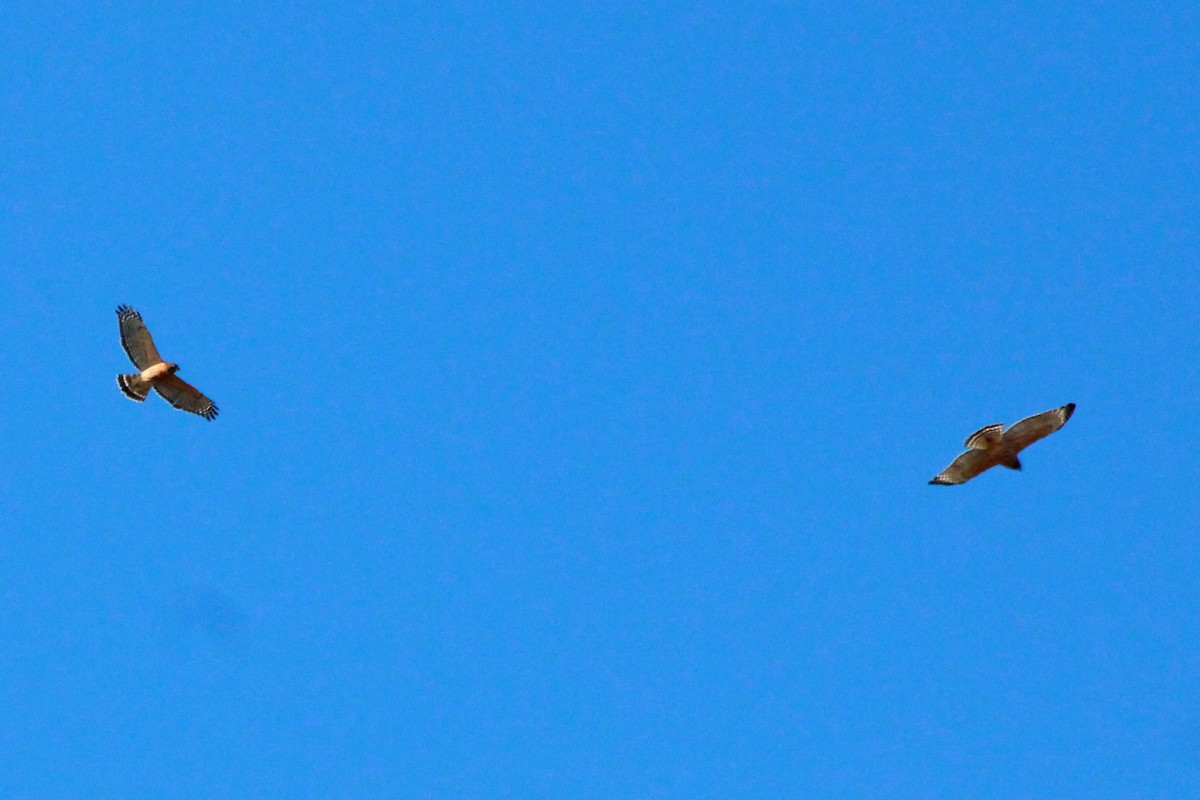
(155, 373)
(992, 445)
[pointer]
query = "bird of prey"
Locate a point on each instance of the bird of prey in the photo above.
(991, 445)
(155, 373)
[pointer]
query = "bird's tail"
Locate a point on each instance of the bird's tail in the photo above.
(134, 386)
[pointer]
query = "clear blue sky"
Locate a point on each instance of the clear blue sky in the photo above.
(581, 370)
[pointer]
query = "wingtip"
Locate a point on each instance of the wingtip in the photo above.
(1068, 410)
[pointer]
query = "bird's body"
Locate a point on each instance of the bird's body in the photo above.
(155, 373)
(992, 445)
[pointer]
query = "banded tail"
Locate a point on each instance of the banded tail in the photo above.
(133, 386)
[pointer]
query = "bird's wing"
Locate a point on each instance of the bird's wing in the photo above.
(136, 339)
(185, 397)
(1030, 429)
(965, 467)
(985, 437)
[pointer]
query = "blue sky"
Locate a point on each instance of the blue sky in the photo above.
(581, 370)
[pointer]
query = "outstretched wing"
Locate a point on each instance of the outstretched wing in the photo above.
(985, 437)
(965, 467)
(136, 339)
(1030, 429)
(185, 397)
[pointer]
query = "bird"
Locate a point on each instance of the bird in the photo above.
(155, 373)
(992, 445)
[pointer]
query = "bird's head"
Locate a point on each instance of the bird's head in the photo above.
(172, 368)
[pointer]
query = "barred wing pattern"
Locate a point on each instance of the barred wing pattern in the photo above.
(136, 339)
(985, 437)
(1039, 426)
(185, 397)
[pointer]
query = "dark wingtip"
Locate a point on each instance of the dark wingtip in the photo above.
(1068, 410)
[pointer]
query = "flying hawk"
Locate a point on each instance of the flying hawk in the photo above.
(991, 445)
(155, 373)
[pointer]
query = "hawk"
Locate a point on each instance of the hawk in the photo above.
(155, 373)
(992, 445)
